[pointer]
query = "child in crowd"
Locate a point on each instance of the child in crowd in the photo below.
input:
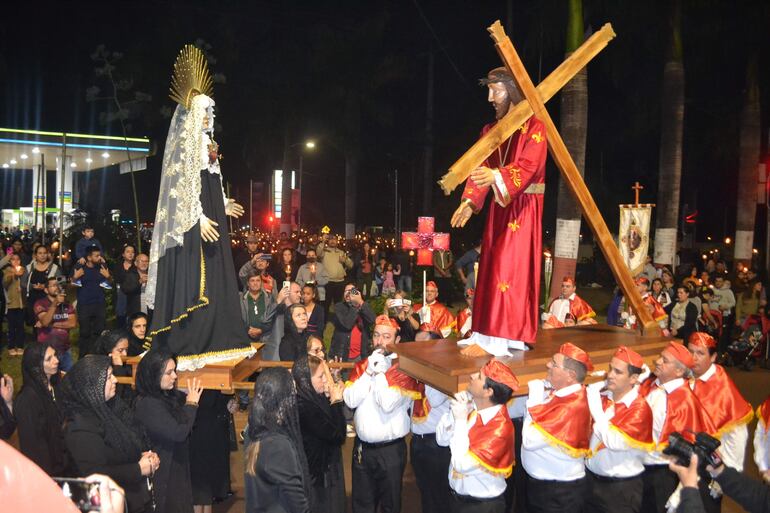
(81, 246)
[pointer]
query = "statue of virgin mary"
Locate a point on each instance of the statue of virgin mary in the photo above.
(192, 287)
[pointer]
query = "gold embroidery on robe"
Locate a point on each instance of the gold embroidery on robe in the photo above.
(516, 177)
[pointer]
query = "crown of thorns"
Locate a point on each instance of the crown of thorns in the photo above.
(497, 75)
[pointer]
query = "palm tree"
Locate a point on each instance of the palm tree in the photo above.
(747, 168)
(574, 126)
(670, 166)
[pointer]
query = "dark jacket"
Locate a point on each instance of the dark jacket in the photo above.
(751, 494)
(293, 343)
(40, 432)
(691, 316)
(85, 439)
(277, 486)
(170, 439)
(323, 433)
(130, 286)
(345, 317)
(7, 421)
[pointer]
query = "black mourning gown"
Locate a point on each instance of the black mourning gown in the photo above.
(184, 322)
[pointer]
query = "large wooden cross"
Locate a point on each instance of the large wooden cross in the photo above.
(533, 104)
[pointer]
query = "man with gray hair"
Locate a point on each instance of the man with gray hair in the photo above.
(675, 408)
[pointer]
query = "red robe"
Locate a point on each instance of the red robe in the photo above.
(441, 319)
(724, 403)
(491, 444)
(508, 285)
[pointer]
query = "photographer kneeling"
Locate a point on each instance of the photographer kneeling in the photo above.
(750, 494)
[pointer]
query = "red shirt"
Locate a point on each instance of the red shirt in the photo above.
(58, 338)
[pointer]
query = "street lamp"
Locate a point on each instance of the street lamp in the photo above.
(309, 145)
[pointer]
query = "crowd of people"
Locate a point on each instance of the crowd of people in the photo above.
(563, 447)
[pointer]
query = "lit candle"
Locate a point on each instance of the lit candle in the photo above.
(475, 273)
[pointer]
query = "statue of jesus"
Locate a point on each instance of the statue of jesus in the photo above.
(506, 301)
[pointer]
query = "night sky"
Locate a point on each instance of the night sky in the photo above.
(290, 66)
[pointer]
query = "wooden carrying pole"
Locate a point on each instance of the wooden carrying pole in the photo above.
(521, 112)
(570, 173)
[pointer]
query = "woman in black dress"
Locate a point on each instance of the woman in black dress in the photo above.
(295, 333)
(129, 291)
(276, 477)
(37, 415)
(167, 416)
(136, 325)
(115, 344)
(101, 433)
(316, 321)
(322, 422)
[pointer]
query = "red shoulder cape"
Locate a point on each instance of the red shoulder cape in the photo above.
(421, 407)
(491, 444)
(658, 313)
(684, 413)
(581, 310)
(633, 422)
(724, 403)
(406, 385)
(565, 422)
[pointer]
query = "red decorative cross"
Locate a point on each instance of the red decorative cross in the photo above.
(425, 240)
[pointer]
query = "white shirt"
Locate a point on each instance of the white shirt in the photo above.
(560, 307)
(466, 476)
(539, 458)
(439, 405)
(762, 447)
(382, 413)
(658, 401)
(616, 458)
(734, 441)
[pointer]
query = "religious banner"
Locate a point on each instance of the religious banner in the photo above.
(634, 235)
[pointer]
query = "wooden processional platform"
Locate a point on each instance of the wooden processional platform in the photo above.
(440, 364)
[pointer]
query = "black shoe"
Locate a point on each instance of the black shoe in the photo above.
(243, 407)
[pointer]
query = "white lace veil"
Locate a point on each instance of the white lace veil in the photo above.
(179, 207)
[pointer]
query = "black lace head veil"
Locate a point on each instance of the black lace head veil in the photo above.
(82, 392)
(275, 409)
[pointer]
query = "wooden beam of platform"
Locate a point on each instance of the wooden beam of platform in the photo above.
(570, 173)
(225, 376)
(440, 364)
(521, 112)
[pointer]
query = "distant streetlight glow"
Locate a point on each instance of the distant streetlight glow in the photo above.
(310, 145)
(13, 161)
(73, 164)
(24, 156)
(35, 150)
(89, 160)
(6, 166)
(728, 240)
(105, 155)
